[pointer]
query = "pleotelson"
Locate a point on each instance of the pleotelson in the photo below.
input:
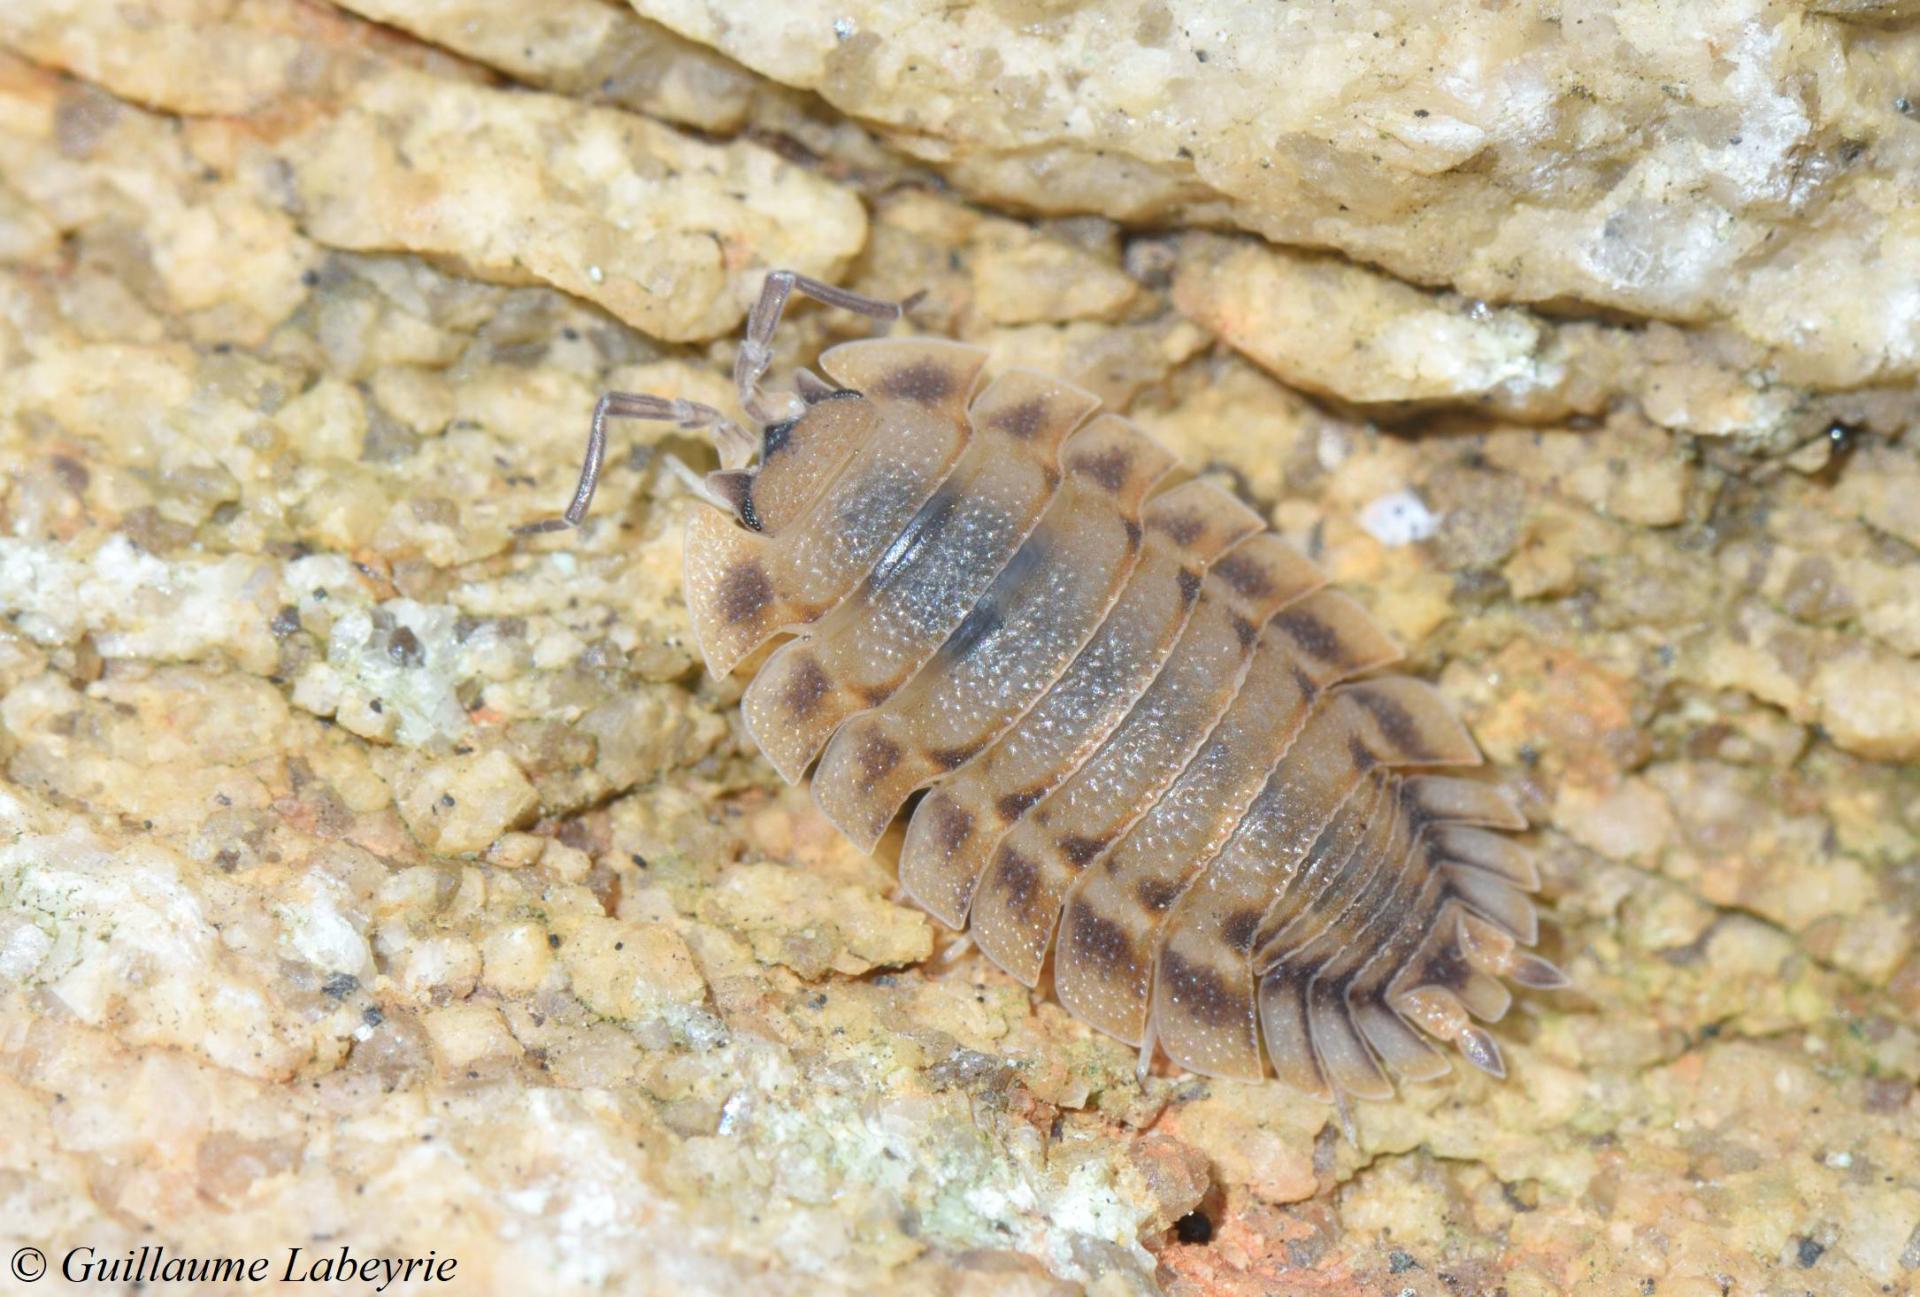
(1153, 744)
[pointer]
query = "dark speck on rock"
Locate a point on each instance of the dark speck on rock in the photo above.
(340, 986)
(1194, 1227)
(404, 647)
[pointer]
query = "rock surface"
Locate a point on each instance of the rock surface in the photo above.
(369, 873)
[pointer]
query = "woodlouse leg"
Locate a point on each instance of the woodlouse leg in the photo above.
(756, 349)
(636, 405)
(1144, 1068)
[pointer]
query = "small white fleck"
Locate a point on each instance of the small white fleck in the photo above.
(1399, 518)
(1330, 448)
(1839, 1161)
(595, 274)
(842, 28)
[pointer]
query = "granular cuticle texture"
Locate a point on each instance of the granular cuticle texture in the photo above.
(1155, 755)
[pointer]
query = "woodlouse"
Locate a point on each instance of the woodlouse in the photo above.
(1152, 741)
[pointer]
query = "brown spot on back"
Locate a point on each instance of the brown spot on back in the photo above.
(1238, 928)
(923, 382)
(1181, 529)
(1017, 878)
(1315, 638)
(1157, 894)
(954, 758)
(1361, 755)
(1082, 851)
(1021, 421)
(953, 824)
(745, 592)
(1107, 469)
(874, 695)
(1245, 631)
(1305, 684)
(1396, 722)
(808, 685)
(1012, 806)
(1133, 533)
(1248, 579)
(1189, 585)
(1202, 993)
(878, 755)
(1099, 940)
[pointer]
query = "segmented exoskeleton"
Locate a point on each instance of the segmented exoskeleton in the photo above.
(1153, 742)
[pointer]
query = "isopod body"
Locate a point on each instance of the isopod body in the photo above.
(1152, 743)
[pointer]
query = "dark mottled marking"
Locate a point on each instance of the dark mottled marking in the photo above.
(1315, 638)
(1245, 631)
(1202, 993)
(1396, 723)
(954, 758)
(973, 630)
(924, 382)
(1239, 927)
(1014, 805)
(808, 685)
(1248, 578)
(1181, 529)
(953, 824)
(1189, 585)
(745, 593)
(1413, 804)
(837, 394)
(1305, 684)
(736, 488)
(1108, 469)
(878, 755)
(926, 525)
(1157, 894)
(774, 438)
(1082, 851)
(874, 695)
(1133, 533)
(1017, 879)
(1361, 755)
(1100, 941)
(1021, 421)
